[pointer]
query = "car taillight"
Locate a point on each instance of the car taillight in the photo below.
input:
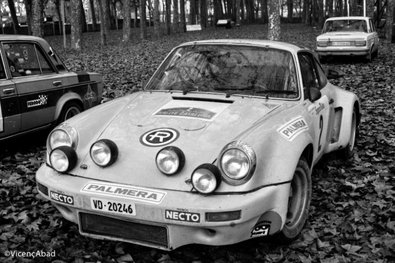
(322, 43)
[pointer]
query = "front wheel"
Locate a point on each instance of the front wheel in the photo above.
(70, 109)
(298, 203)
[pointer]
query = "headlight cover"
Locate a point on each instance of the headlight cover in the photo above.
(170, 160)
(206, 178)
(104, 152)
(64, 135)
(237, 163)
(63, 159)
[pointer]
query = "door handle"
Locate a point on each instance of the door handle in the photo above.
(9, 91)
(57, 83)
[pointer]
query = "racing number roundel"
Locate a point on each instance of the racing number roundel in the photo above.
(159, 137)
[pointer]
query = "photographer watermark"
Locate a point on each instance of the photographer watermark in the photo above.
(30, 254)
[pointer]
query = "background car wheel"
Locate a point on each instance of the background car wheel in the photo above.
(70, 109)
(369, 56)
(347, 152)
(298, 203)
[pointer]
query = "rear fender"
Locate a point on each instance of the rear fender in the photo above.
(69, 96)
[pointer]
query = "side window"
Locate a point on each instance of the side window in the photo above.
(309, 76)
(2, 72)
(25, 59)
(321, 74)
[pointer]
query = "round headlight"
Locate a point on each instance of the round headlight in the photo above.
(170, 160)
(206, 178)
(104, 152)
(237, 162)
(65, 135)
(63, 159)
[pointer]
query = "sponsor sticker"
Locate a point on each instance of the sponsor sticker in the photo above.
(134, 193)
(114, 207)
(159, 137)
(190, 112)
(63, 198)
(42, 100)
(260, 230)
(293, 128)
(182, 216)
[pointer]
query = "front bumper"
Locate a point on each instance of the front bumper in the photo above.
(194, 218)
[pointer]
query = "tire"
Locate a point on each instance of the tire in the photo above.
(369, 56)
(70, 109)
(348, 151)
(298, 203)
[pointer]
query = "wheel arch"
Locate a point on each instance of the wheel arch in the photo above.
(66, 98)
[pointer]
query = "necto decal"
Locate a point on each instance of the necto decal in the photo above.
(182, 216)
(66, 199)
(159, 137)
(293, 128)
(135, 193)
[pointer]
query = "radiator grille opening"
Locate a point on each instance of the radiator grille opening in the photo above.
(116, 228)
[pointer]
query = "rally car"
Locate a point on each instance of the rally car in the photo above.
(218, 148)
(36, 89)
(348, 36)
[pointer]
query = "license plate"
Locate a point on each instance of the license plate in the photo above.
(115, 207)
(341, 43)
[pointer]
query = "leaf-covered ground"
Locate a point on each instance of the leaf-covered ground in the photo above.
(352, 216)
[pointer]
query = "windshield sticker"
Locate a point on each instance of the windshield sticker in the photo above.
(187, 112)
(134, 193)
(41, 101)
(293, 128)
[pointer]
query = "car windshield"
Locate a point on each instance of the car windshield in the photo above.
(346, 25)
(229, 69)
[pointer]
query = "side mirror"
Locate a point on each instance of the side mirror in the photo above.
(315, 94)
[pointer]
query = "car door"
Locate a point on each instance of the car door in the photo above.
(36, 80)
(317, 100)
(10, 118)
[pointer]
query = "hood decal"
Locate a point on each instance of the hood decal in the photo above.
(159, 137)
(203, 110)
(187, 112)
(293, 128)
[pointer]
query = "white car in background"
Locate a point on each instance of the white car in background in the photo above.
(348, 36)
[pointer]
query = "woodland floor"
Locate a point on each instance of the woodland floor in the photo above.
(352, 217)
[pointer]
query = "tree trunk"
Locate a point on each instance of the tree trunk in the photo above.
(37, 18)
(321, 14)
(182, 16)
(237, 9)
(93, 14)
(193, 12)
(29, 15)
(104, 21)
(265, 16)
(329, 9)
(168, 17)
(389, 28)
(203, 13)
(76, 25)
(290, 7)
(127, 18)
(82, 17)
(143, 20)
(274, 28)
(176, 23)
(15, 23)
(156, 19)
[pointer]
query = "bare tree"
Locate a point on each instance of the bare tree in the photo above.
(274, 29)
(15, 23)
(143, 20)
(76, 24)
(156, 19)
(182, 16)
(37, 18)
(93, 14)
(127, 18)
(175, 17)
(389, 30)
(203, 13)
(104, 21)
(168, 17)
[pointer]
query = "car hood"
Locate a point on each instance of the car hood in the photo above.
(203, 125)
(342, 35)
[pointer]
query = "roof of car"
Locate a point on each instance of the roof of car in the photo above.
(348, 18)
(21, 38)
(252, 42)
